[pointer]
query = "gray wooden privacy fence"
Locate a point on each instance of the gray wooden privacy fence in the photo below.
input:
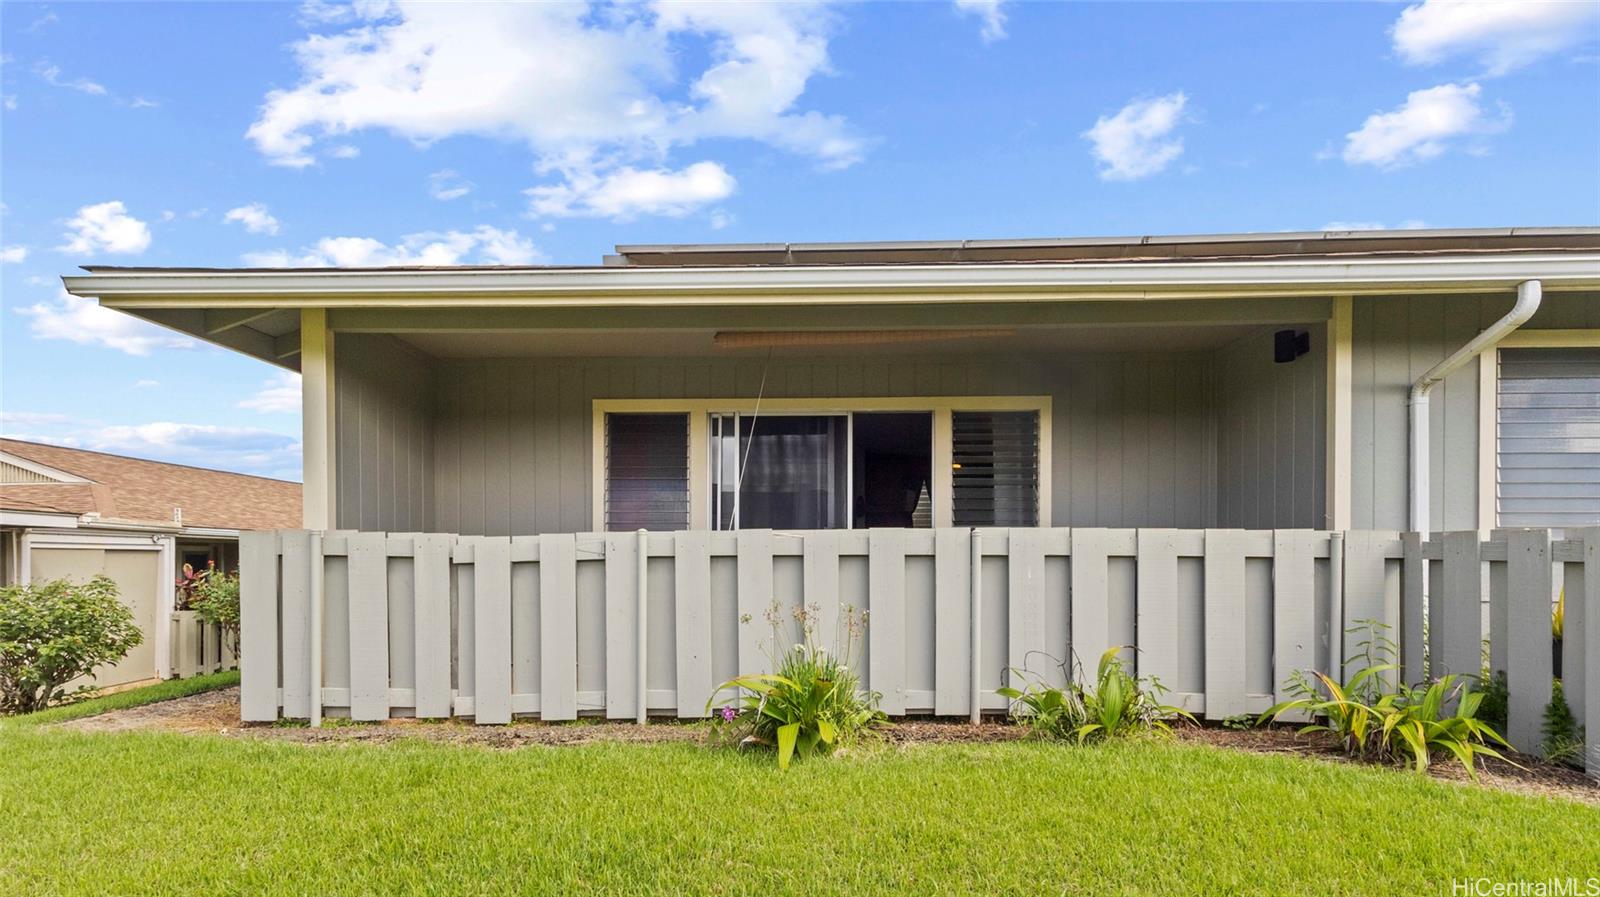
(437, 625)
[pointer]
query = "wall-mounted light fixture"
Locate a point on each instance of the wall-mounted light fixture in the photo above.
(1287, 345)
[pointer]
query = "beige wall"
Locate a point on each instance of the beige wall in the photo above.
(137, 574)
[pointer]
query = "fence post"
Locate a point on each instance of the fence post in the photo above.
(1455, 610)
(642, 630)
(977, 625)
(1528, 636)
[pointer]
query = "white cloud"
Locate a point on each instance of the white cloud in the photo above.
(345, 151)
(146, 384)
(9, 101)
(991, 14)
(281, 394)
(51, 74)
(244, 449)
(83, 321)
(1501, 35)
(12, 255)
(255, 218)
(106, 227)
(447, 185)
(721, 218)
(483, 245)
(1422, 127)
(1137, 142)
(626, 192)
(594, 92)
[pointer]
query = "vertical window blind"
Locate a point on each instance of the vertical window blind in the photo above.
(647, 472)
(996, 468)
(1548, 470)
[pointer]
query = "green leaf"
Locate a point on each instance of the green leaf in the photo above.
(826, 731)
(786, 739)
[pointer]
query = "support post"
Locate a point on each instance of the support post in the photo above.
(318, 500)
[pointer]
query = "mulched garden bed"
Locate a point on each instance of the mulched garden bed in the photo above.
(217, 713)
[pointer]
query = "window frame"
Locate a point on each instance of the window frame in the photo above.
(700, 410)
(1489, 406)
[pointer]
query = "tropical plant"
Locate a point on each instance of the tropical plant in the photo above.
(1373, 719)
(812, 704)
(1563, 737)
(214, 597)
(55, 632)
(1116, 704)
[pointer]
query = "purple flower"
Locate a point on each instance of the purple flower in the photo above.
(728, 714)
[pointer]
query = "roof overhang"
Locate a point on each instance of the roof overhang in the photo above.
(230, 307)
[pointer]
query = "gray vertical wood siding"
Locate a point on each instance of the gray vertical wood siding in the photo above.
(1395, 340)
(383, 400)
(1271, 434)
(513, 437)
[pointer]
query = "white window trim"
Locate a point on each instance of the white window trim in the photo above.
(1488, 406)
(699, 411)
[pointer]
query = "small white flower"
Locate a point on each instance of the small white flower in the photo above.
(843, 668)
(800, 649)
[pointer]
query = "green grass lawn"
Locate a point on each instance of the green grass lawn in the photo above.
(170, 814)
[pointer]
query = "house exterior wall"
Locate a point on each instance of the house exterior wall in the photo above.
(137, 575)
(383, 396)
(1271, 434)
(1395, 340)
(1132, 434)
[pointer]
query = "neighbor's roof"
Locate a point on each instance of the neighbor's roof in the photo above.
(133, 490)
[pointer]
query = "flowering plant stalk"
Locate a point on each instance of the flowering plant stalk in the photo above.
(812, 703)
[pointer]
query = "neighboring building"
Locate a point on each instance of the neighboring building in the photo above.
(1255, 380)
(70, 513)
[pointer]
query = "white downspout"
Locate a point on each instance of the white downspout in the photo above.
(1529, 293)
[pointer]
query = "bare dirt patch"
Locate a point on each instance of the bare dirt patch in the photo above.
(217, 713)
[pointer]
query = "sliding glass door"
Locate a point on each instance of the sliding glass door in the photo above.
(780, 471)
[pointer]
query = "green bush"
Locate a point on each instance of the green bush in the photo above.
(1563, 737)
(812, 704)
(55, 632)
(1496, 697)
(1375, 720)
(1117, 704)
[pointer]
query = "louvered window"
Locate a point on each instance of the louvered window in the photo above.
(996, 468)
(647, 472)
(1548, 467)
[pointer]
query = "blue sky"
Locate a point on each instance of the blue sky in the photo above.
(227, 134)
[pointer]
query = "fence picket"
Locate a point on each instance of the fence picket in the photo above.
(1027, 633)
(755, 599)
(1590, 599)
(491, 616)
(297, 563)
(1294, 618)
(1156, 574)
(692, 588)
(558, 626)
(258, 626)
(886, 572)
(1413, 598)
(431, 575)
(952, 622)
(1224, 603)
(622, 617)
(369, 626)
(1528, 636)
(1455, 610)
(1367, 593)
(820, 570)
